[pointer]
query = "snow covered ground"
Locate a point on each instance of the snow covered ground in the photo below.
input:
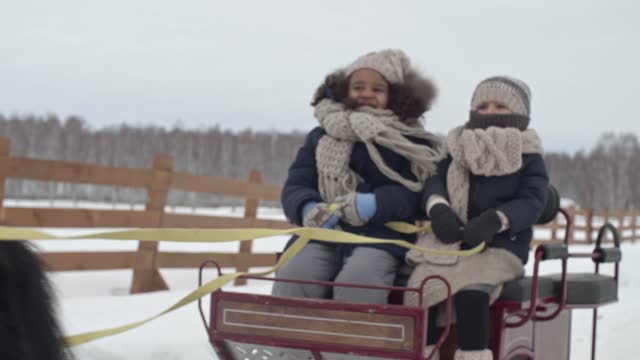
(92, 300)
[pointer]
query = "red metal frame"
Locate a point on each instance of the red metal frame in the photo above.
(527, 311)
(218, 338)
(535, 310)
(538, 306)
(595, 255)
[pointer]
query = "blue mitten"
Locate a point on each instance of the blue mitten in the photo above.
(358, 208)
(318, 215)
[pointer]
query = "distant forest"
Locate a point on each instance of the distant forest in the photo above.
(606, 177)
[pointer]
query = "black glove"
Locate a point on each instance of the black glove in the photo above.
(445, 223)
(482, 228)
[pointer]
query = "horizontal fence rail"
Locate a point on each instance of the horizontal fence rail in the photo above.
(159, 180)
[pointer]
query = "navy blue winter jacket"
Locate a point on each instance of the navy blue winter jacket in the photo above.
(394, 202)
(521, 196)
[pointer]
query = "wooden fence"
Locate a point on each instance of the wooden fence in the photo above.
(586, 224)
(157, 181)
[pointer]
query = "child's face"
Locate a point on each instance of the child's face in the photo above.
(493, 107)
(368, 88)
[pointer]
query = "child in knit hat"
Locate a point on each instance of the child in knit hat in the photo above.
(371, 155)
(492, 187)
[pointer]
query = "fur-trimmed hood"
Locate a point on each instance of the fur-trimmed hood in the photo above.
(409, 99)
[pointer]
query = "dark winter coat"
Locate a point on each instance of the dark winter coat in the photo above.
(394, 202)
(521, 196)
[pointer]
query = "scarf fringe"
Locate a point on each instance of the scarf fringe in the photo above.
(370, 126)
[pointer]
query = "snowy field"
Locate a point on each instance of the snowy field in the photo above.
(92, 300)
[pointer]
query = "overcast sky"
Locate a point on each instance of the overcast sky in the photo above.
(255, 64)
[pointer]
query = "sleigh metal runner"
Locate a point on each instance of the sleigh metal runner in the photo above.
(530, 320)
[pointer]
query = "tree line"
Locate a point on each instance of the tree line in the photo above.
(603, 178)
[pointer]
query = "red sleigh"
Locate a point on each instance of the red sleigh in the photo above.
(531, 320)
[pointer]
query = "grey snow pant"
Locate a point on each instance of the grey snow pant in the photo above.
(322, 262)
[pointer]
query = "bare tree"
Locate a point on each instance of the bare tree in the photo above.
(604, 178)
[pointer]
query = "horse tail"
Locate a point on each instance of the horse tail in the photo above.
(29, 329)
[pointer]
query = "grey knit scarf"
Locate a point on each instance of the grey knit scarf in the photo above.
(489, 152)
(370, 126)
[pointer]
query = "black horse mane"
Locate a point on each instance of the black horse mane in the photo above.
(28, 327)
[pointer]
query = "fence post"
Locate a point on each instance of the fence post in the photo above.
(5, 150)
(588, 225)
(634, 223)
(621, 224)
(572, 230)
(250, 212)
(605, 220)
(146, 276)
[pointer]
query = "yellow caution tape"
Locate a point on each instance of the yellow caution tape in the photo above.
(219, 236)
(232, 235)
(203, 290)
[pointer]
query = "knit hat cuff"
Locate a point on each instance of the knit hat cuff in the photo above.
(393, 65)
(510, 92)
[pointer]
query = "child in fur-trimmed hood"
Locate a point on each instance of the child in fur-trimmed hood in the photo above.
(370, 154)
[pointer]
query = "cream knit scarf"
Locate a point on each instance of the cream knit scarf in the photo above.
(486, 152)
(370, 126)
